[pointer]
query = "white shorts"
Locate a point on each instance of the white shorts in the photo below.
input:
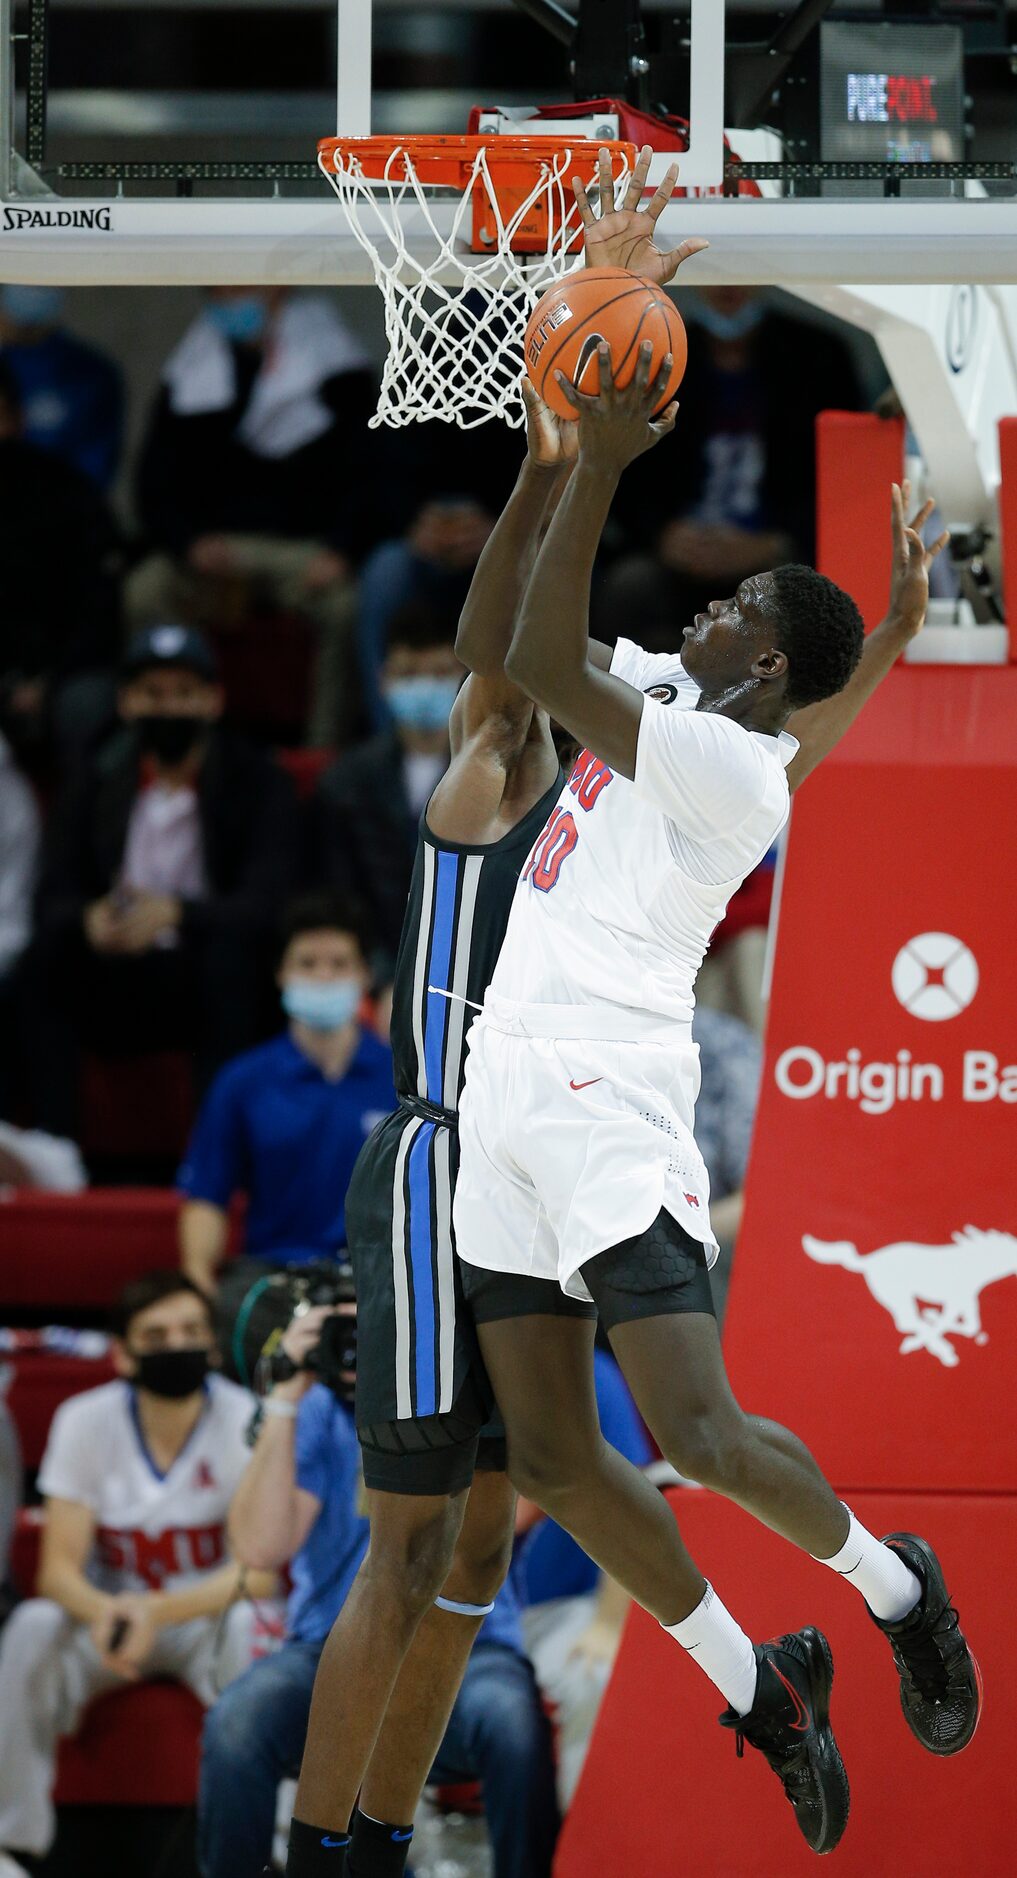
(570, 1147)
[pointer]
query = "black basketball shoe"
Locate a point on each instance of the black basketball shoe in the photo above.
(789, 1722)
(940, 1681)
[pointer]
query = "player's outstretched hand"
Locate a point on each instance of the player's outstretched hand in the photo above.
(624, 237)
(551, 441)
(912, 559)
(617, 423)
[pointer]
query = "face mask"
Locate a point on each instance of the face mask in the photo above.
(172, 1374)
(322, 1006)
(241, 320)
(169, 739)
(729, 326)
(31, 306)
(421, 703)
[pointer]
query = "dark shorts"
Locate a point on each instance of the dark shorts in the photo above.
(425, 1411)
(655, 1274)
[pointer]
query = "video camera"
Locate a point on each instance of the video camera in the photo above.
(252, 1341)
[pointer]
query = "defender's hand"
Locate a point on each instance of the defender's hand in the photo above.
(617, 424)
(551, 441)
(624, 237)
(909, 579)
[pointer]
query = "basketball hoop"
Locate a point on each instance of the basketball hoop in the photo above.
(502, 226)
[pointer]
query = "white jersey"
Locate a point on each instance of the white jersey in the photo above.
(615, 907)
(153, 1531)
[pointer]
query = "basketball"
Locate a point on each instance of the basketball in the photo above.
(601, 304)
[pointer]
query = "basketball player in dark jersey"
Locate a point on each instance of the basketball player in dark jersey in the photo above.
(440, 1546)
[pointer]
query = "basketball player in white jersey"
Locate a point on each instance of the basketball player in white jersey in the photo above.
(578, 1156)
(138, 1476)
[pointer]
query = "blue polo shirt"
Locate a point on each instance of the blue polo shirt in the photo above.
(548, 1563)
(273, 1127)
(328, 1465)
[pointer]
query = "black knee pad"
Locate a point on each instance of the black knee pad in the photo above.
(655, 1274)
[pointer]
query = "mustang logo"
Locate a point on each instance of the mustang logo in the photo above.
(931, 1291)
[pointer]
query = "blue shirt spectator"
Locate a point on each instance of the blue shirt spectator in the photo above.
(548, 1563)
(72, 395)
(254, 1736)
(284, 1123)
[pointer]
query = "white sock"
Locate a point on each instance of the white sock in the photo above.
(721, 1649)
(889, 1587)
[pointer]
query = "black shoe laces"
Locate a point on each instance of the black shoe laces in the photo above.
(927, 1656)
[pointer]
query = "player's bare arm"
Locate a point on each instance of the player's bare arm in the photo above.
(501, 747)
(551, 655)
(819, 726)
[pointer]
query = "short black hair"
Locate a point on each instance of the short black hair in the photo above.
(821, 631)
(321, 910)
(421, 628)
(142, 1293)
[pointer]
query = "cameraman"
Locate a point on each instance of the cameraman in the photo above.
(298, 1503)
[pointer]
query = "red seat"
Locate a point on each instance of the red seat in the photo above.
(137, 1746)
(266, 666)
(77, 1251)
(25, 1543)
(41, 1380)
(138, 1105)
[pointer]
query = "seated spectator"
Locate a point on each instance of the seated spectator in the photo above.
(440, 490)
(284, 1123)
(572, 1613)
(739, 495)
(135, 1579)
(251, 484)
(163, 867)
(19, 855)
(299, 1502)
(730, 1062)
(61, 621)
(370, 801)
(71, 394)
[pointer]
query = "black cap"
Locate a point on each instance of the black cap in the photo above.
(166, 647)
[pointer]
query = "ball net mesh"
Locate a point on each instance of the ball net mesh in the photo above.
(455, 316)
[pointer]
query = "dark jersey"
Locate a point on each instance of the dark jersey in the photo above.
(455, 922)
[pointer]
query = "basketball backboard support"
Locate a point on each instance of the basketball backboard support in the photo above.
(894, 267)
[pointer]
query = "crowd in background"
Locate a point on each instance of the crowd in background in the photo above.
(172, 880)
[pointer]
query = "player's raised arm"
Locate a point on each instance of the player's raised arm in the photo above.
(551, 655)
(819, 726)
(499, 582)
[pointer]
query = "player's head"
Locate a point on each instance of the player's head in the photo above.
(323, 972)
(792, 629)
(165, 1337)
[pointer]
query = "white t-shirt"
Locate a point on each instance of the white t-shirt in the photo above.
(153, 1531)
(615, 907)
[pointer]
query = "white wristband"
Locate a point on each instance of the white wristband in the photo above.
(275, 1405)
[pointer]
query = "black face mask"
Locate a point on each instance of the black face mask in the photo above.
(170, 739)
(171, 1373)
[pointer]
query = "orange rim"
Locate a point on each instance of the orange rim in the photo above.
(448, 161)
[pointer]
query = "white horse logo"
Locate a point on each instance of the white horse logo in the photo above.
(930, 1291)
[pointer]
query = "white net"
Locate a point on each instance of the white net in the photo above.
(454, 319)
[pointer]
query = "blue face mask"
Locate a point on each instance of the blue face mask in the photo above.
(322, 1005)
(421, 703)
(729, 326)
(243, 319)
(32, 306)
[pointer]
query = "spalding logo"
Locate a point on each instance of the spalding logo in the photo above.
(664, 694)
